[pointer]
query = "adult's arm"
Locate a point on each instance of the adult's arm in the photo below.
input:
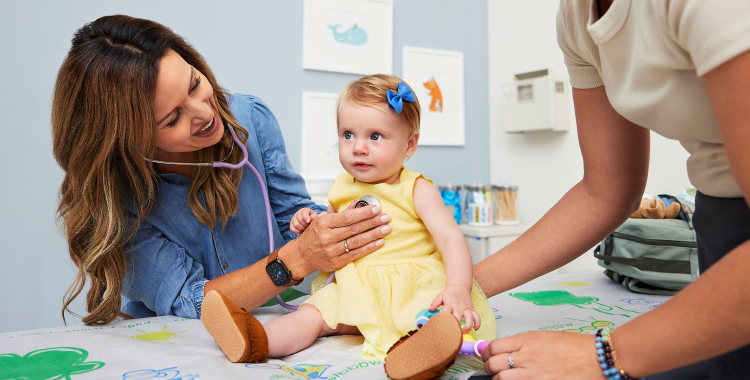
(319, 248)
(162, 276)
(706, 319)
(615, 159)
(615, 162)
(709, 317)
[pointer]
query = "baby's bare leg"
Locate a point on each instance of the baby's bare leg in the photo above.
(298, 330)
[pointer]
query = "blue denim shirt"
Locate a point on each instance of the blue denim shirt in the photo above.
(173, 255)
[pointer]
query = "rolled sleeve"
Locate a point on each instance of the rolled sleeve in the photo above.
(583, 74)
(286, 189)
(162, 277)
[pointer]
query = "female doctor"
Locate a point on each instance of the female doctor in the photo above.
(682, 69)
(152, 238)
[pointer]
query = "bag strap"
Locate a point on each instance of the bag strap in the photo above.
(650, 265)
(634, 285)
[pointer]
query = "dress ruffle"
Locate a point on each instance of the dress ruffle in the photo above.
(383, 300)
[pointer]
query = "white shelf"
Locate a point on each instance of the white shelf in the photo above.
(484, 241)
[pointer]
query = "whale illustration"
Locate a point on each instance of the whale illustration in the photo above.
(354, 36)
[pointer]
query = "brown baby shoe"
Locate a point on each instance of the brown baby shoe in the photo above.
(242, 338)
(425, 353)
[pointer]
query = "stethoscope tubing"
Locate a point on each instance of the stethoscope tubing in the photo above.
(264, 191)
(267, 203)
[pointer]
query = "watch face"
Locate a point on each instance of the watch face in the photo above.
(278, 273)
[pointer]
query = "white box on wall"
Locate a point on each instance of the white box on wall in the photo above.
(536, 101)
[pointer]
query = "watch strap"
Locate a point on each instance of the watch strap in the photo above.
(274, 256)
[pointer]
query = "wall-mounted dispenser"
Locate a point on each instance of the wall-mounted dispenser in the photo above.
(536, 101)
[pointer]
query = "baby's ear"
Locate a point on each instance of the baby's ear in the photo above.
(411, 144)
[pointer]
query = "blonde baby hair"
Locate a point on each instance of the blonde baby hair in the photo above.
(371, 89)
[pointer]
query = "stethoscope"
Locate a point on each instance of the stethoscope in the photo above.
(362, 202)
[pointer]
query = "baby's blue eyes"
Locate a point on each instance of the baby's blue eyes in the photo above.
(374, 136)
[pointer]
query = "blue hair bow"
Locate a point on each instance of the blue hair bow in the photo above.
(395, 100)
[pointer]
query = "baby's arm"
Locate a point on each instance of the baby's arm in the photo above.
(456, 298)
(302, 218)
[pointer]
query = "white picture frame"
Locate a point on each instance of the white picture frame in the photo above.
(348, 36)
(437, 78)
(320, 153)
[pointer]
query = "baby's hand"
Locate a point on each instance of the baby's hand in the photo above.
(301, 219)
(457, 300)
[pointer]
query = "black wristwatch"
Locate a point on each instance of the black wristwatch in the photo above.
(280, 275)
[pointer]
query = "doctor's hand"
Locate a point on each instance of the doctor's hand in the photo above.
(331, 241)
(543, 355)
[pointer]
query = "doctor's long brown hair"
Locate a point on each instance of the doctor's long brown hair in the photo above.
(102, 127)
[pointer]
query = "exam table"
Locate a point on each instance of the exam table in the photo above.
(171, 348)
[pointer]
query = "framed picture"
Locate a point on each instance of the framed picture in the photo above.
(348, 36)
(437, 78)
(320, 142)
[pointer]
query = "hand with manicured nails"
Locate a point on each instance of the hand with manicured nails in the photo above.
(320, 247)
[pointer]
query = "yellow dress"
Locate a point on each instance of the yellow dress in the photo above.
(382, 293)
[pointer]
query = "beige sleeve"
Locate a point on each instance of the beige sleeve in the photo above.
(583, 74)
(712, 31)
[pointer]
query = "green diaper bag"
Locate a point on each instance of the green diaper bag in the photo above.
(651, 256)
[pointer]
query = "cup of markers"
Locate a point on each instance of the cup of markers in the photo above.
(479, 208)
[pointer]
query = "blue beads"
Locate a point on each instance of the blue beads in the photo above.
(604, 356)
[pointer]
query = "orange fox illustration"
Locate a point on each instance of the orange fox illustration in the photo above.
(436, 103)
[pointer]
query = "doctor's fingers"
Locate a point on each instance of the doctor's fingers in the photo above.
(499, 364)
(353, 218)
(354, 254)
(365, 243)
(502, 346)
(364, 233)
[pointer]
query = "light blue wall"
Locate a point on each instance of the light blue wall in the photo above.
(254, 47)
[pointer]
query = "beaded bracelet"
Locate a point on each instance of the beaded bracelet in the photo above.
(606, 355)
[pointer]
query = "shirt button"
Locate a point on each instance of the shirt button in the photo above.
(225, 265)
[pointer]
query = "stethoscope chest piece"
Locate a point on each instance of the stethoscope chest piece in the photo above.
(367, 200)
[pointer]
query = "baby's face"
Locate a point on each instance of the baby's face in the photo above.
(373, 142)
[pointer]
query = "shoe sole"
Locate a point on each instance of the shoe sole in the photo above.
(427, 353)
(218, 321)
